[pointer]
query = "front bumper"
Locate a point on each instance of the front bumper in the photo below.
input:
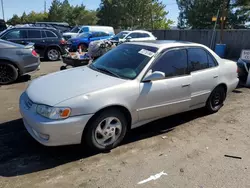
(59, 132)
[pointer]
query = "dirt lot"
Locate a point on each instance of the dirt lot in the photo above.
(189, 147)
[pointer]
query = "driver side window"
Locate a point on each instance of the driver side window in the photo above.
(172, 63)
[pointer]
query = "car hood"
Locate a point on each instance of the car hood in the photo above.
(60, 86)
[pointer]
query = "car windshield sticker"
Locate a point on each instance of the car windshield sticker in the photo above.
(146, 53)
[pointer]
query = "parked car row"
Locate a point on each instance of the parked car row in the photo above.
(48, 42)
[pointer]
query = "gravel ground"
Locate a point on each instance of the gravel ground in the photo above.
(188, 147)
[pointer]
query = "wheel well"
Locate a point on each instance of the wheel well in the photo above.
(224, 86)
(53, 47)
(12, 63)
(83, 44)
(124, 110)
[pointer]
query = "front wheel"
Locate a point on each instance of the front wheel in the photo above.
(216, 99)
(106, 130)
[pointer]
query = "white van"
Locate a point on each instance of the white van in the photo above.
(86, 28)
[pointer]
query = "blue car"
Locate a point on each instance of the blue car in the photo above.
(82, 41)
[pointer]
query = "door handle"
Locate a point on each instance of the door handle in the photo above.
(185, 85)
(216, 76)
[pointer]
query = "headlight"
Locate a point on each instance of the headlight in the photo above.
(53, 112)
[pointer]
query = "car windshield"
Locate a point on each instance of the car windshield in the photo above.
(84, 35)
(121, 35)
(75, 29)
(125, 61)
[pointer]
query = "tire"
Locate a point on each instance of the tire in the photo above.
(53, 54)
(8, 73)
(83, 47)
(94, 138)
(216, 99)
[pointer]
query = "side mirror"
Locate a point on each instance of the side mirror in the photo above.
(157, 75)
(128, 39)
(90, 36)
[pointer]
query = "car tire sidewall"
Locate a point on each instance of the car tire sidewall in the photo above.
(14, 71)
(209, 105)
(89, 136)
(47, 54)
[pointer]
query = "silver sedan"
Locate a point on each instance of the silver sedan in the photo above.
(133, 84)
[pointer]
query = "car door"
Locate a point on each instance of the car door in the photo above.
(170, 95)
(35, 36)
(204, 72)
(95, 36)
(16, 35)
(104, 36)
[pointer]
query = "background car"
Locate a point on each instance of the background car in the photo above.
(83, 40)
(16, 60)
(244, 65)
(62, 27)
(48, 42)
(131, 85)
(137, 35)
(86, 29)
(2, 25)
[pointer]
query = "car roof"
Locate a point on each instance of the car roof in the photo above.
(140, 31)
(166, 43)
(32, 27)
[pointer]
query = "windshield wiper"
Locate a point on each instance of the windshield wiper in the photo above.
(108, 71)
(101, 69)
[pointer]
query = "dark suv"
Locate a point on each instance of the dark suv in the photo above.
(49, 43)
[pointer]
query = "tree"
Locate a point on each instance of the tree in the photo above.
(14, 20)
(148, 14)
(55, 13)
(198, 14)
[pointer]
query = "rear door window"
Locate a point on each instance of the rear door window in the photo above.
(172, 63)
(34, 34)
(211, 61)
(50, 34)
(197, 59)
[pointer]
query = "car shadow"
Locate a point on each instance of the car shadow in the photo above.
(24, 78)
(20, 154)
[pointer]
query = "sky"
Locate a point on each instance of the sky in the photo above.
(19, 6)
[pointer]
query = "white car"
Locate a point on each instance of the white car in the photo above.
(131, 85)
(134, 36)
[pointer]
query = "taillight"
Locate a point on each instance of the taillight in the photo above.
(34, 53)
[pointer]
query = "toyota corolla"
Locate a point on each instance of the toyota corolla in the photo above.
(131, 85)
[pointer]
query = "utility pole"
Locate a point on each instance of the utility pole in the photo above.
(45, 6)
(223, 20)
(2, 9)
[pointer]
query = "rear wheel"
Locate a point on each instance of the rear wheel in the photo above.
(216, 99)
(106, 130)
(8, 73)
(53, 54)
